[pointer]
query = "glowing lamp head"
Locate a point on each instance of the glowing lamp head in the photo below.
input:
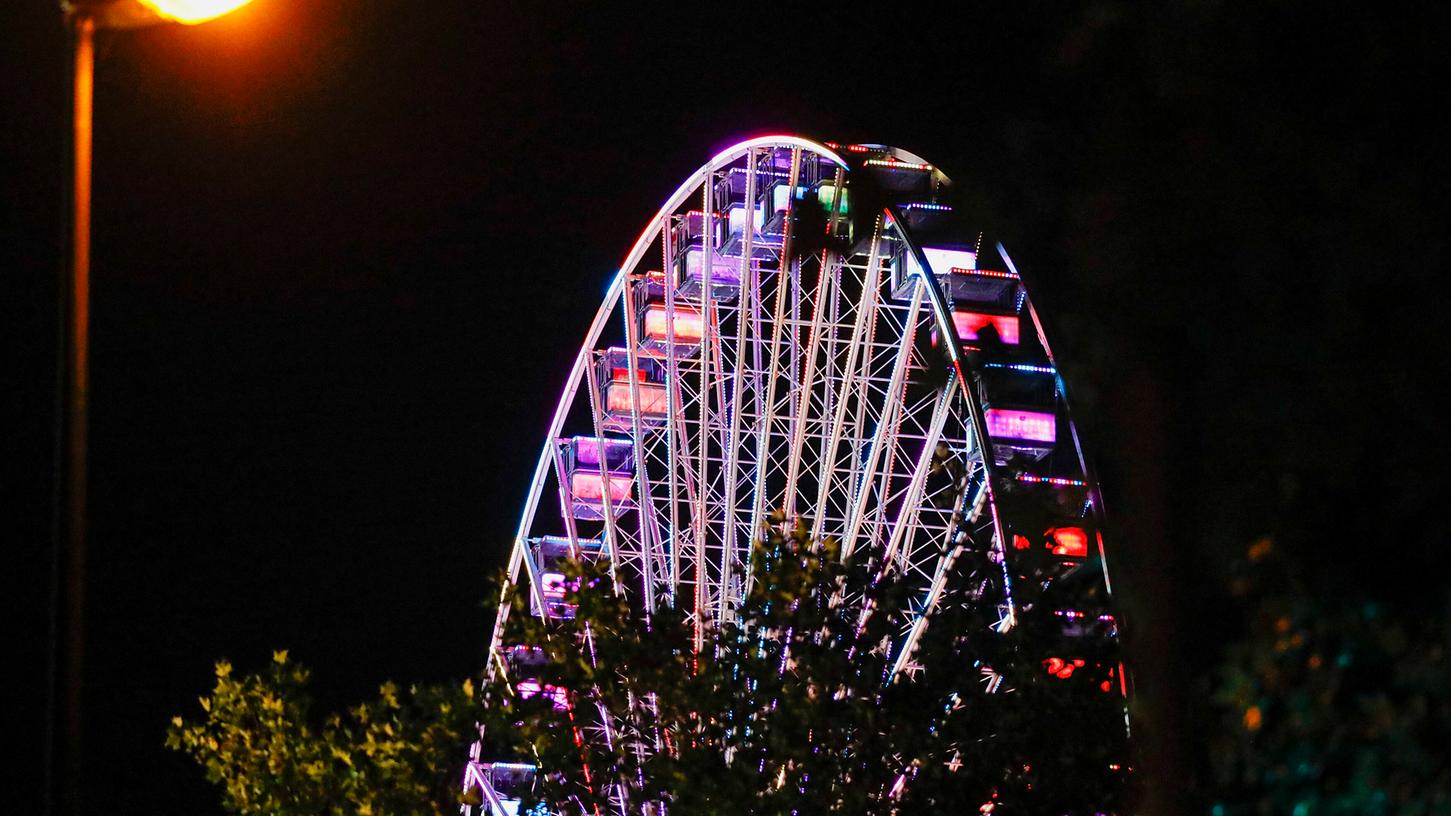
(191, 12)
(118, 14)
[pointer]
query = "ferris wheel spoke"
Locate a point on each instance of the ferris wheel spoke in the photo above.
(783, 284)
(730, 531)
(830, 482)
(910, 505)
(880, 438)
(652, 555)
(699, 520)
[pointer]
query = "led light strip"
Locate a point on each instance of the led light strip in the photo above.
(896, 165)
(1031, 369)
(1052, 480)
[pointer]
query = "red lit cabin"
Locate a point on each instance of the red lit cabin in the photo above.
(687, 326)
(619, 385)
(970, 326)
(661, 330)
(662, 327)
(1107, 677)
(1068, 543)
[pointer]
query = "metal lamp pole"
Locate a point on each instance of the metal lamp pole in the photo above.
(64, 765)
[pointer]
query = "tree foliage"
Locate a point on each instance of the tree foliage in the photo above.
(259, 742)
(787, 707)
(1330, 704)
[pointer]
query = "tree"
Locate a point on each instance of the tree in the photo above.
(1330, 703)
(787, 707)
(392, 755)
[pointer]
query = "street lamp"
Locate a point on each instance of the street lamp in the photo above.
(84, 17)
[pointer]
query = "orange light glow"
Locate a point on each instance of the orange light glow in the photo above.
(1069, 541)
(191, 12)
(618, 399)
(688, 324)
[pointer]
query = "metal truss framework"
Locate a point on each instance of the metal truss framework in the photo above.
(766, 345)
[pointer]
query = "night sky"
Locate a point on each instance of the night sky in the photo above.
(345, 251)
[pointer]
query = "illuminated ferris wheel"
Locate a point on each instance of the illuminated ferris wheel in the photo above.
(804, 327)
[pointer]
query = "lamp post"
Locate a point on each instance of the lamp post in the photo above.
(84, 18)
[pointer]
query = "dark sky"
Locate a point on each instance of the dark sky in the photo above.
(344, 252)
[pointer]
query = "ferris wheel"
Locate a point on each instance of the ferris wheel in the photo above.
(803, 327)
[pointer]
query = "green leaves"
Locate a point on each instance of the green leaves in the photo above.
(259, 742)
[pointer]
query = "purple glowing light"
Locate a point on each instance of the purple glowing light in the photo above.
(618, 452)
(1011, 423)
(533, 688)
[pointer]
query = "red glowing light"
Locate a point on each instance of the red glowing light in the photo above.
(1069, 541)
(1063, 669)
(618, 399)
(970, 323)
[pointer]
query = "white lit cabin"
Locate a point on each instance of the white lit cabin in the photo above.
(688, 240)
(525, 663)
(618, 385)
(549, 554)
(501, 785)
(731, 199)
(968, 288)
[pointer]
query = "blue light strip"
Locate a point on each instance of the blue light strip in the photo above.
(1030, 369)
